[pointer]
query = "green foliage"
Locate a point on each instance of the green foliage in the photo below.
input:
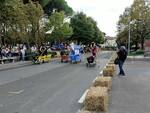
(11, 18)
(85, 29)
(61, 30)
(139, 14)
(58, 5)
(34, 12)
(50, 5)
(112, 48)
(19, 20)
(44, 2)
(136, 53)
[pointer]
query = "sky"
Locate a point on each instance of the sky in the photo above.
(105, 12)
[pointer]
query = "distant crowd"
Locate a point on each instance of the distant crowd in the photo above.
(22, 51)
(18, 51)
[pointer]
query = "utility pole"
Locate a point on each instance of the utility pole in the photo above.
(129, 38)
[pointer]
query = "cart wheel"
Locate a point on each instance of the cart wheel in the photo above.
(40, 61)
(48, 61)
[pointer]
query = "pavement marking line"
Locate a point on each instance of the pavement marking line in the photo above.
(16, 92)
(101, 72)
(78, 111)
(94, 79)
(81, 100)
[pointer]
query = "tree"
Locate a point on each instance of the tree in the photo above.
(98, 35)
(18, 21)
(58, 5)
(12, 20)
(34, 13)
(61, 30)
(139, 13)
(42, 2)
(85, 29)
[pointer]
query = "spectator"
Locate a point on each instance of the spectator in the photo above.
(33, 49)
(122, 55)
(0, 53)
(94, 49)
(6, 52)
(22, 54)
(3, 52)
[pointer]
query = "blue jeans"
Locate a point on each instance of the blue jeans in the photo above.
(120, 64)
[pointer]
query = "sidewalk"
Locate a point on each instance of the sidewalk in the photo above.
(138, 58)
(131, 94)
(8, 66)
(14, 65)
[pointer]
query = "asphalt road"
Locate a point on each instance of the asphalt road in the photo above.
(130, 94)
(46, 88)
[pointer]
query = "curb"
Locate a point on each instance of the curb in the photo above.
(28, 63)
(82, 98)
(138, 59)
(17, 66)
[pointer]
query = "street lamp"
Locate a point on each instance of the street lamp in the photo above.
(129, 37)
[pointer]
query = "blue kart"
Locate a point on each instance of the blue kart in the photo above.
(75, 55)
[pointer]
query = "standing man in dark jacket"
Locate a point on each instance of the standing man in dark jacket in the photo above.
(122, 55)
(0, 53)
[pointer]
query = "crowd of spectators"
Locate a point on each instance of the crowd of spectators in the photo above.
(19, 51)
(22, 52)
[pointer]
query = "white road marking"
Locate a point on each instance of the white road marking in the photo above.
(16, 92)
(101, 72)
(81, 100)
(94, 79)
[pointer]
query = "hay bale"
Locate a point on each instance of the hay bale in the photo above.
(111, 62)
(108, 72)
(96, 99)
(103, 82)
(83, 112)
(111, 66)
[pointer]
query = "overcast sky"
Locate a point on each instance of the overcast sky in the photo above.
(105, 12)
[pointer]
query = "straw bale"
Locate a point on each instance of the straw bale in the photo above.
(83, 112)
(111, 66)
(96, 99)
(103, 82)
(108, 72)
(111, 62)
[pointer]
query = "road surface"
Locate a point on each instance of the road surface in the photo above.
(47, 88)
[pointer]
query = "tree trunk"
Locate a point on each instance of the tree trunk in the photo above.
(136, 46)
(142, 42)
